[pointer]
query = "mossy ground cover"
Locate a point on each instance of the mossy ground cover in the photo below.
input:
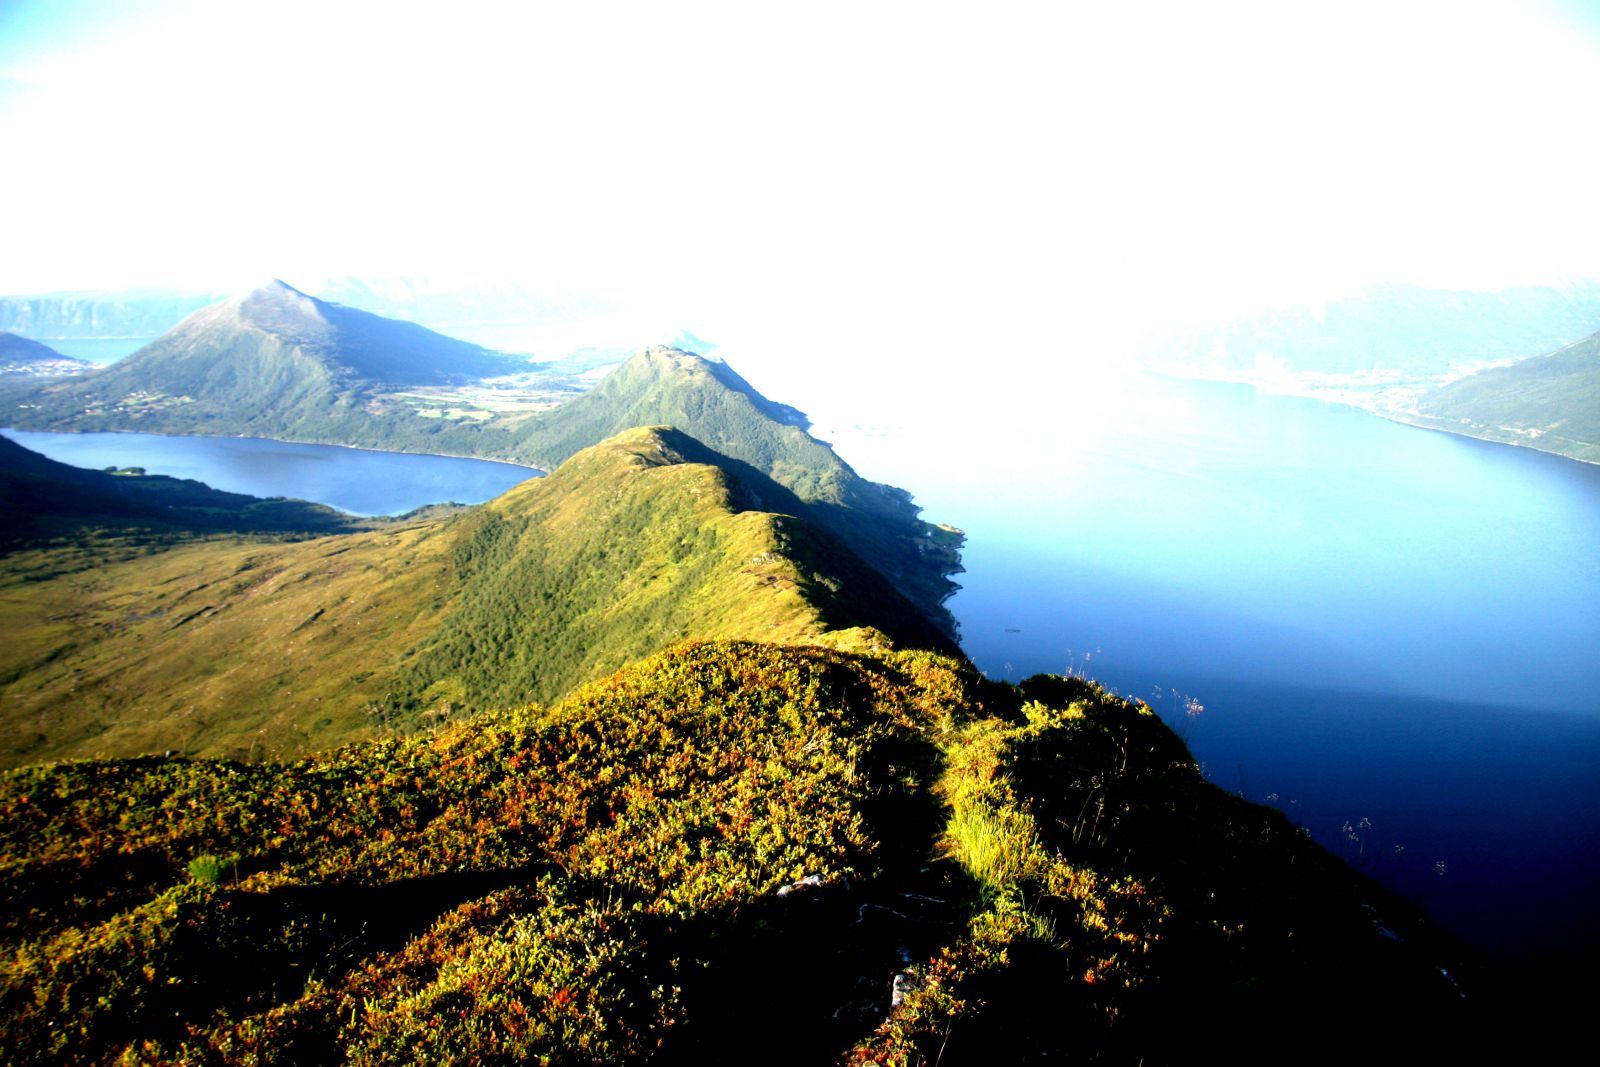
(1040, 872)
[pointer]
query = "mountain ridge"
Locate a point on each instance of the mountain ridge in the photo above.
(796, 832)
(635, 543)
(276, 363)
(709, 401)
(853, 858)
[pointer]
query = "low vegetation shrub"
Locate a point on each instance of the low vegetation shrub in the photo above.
(726, 850)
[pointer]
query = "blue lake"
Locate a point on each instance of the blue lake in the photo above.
(350, 479)
(1382, 623)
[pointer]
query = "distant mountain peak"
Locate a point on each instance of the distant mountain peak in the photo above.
(270, 289)
(278, 291)
(677, 357)
(279, 307)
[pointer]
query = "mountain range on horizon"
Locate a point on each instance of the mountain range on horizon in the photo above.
(1408, 338)
(274, 362)
(1398, 326)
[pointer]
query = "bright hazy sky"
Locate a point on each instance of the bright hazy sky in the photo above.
(932, 175)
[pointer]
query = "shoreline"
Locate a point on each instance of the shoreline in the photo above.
(541, 472)
(1398, 415)
(1418, 421)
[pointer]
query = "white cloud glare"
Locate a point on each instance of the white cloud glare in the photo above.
(869, 183)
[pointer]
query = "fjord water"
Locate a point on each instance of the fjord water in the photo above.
(354, 480)
(1387, 627)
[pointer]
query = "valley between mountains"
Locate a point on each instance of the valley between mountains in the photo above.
(669, 756)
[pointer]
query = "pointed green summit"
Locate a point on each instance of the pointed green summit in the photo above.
(784, 467)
